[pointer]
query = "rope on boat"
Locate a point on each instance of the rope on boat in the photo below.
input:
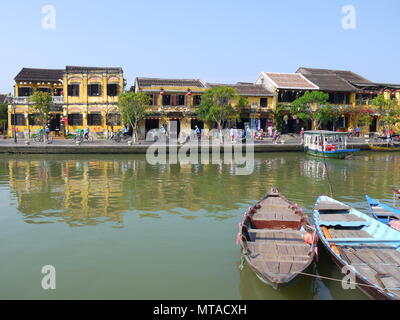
(341, 280)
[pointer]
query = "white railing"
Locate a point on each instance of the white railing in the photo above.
(26, 100)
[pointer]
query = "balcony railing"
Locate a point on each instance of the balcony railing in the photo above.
(26, 100)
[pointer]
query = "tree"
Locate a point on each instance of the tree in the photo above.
(217, 105)
(324, 112)
(389, 109)
(3, 117)
(133, 107)
(42, 102)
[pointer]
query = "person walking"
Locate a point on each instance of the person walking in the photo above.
(302, 135)
(358, 130)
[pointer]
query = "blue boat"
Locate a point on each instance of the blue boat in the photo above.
(383, 212)
(365, 247)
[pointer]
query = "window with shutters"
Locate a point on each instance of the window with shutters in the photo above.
(17, 119)
(166, 100)
(196, 100)
(94, 90)
(264, 102)
(24, 92)
(75, 119)
(94, 119)
(181, 100)
(73, 90)
(112, 90)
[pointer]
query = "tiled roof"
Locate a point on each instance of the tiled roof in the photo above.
(245, 89)
(29, 74)
(291, 81)
(78, 69)
(349, 76)
(330, 82)
(159, 82)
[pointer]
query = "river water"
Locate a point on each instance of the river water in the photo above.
(116, 227)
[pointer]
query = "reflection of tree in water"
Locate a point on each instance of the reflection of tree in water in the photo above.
(87, 192)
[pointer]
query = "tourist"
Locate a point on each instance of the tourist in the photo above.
(47, 131)
(197, 131)
(270, 130)
(302, 135)
(86, 133)
(358, 130)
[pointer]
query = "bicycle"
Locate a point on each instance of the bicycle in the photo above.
(118, 137)
(39, 137)
(81, 137)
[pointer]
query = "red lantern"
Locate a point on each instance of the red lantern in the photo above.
(371, 93)
(162, 92)
(189, 93)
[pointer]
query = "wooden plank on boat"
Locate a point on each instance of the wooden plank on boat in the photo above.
(340, 217)
(331, 206)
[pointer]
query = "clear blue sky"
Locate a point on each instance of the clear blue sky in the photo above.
(215, 40)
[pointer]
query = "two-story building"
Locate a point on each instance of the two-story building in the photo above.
(346, 88)
(173, 103)
(81, 97)
(286, 87)
(259, 110)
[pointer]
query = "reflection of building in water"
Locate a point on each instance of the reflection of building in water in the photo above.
(78, 192)
(313, 168)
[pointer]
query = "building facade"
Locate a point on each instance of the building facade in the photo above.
(81, 97)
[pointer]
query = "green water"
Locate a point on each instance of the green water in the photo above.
(115, 227)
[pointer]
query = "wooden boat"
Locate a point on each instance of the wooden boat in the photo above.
(277, 240)
(396, 193)
(383, 148)
(384, 213)
(367, 247)
(327, 144)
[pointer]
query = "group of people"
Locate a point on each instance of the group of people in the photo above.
(357, 131)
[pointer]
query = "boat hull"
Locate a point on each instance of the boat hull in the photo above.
(384, 149)
(339, 154)
(386, 236)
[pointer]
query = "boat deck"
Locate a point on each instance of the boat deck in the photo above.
(278, 252)
(380, 264)
(275, 213)
(382, 212)
(348, 233)
(341, 217)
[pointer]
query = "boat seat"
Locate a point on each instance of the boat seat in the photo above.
(331, 206)
(276, 220)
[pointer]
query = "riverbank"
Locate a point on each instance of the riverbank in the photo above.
(105, 147)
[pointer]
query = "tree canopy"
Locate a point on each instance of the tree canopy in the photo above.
(133, 107)
(389, 109)
(217, 105)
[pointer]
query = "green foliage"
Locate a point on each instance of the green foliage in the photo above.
(3, 116)
(389, 109)
(42, 102)
(216, 105)
(301, 107)
(133, 107)
(325, 114)
(279, 113)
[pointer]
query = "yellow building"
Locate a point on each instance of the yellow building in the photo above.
(82, 97)
(259, 111)
(173, 104)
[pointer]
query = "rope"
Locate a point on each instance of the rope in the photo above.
(326, 167)
(341, 280)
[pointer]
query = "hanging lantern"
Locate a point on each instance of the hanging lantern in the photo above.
(371, 93)
(393, 93)
(189, 92)
(162, 92)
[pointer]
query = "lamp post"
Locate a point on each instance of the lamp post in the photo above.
(15, 119)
